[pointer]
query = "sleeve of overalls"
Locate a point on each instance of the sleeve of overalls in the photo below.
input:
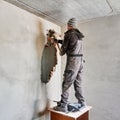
(65, 43)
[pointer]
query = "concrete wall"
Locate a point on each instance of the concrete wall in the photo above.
(22, 39)
(102, 68)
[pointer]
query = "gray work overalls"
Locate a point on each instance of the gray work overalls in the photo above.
(73, 47)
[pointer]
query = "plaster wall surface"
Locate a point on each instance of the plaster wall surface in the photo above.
(22, 39)
(101, 78)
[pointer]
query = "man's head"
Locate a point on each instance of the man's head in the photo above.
(72, 23)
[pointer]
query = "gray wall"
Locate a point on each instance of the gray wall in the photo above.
(102, 68)
(22, 39)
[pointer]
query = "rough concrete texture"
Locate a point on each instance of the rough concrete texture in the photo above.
(22, 39)
(62, 10)
(49, 57)
(48, 62)
(101, 81)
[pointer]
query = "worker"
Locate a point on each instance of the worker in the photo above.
(72, 46)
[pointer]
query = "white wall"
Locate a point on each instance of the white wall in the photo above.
(22, 39)
(101, 81)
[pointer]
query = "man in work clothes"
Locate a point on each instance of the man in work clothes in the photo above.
(72, 46)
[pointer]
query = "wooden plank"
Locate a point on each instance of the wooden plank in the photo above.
(85, 116)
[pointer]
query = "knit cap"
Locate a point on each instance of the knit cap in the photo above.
(72, 22)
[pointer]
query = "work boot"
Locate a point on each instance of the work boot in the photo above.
(81, 104)
(74, 107)
(61, 107)
(58, 103)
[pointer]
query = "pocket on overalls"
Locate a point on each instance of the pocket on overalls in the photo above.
(67, 81)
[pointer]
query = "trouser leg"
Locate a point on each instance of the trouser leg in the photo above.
(78, 86)
(67, 82)
(70, 75)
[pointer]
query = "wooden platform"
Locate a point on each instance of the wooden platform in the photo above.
(83, 114)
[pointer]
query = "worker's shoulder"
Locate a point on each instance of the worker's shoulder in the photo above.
(69, 33)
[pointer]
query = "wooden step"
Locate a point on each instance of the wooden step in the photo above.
(83, 114)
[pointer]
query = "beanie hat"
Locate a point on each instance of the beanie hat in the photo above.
(72, 22)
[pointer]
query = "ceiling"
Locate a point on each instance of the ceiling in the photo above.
(59, 11)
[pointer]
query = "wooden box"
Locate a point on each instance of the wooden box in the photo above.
(83, 114)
